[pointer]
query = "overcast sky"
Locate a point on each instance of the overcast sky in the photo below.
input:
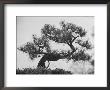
(27, 26)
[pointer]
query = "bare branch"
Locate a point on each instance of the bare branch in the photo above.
(75, 38)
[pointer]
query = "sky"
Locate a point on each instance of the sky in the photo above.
(29, 25)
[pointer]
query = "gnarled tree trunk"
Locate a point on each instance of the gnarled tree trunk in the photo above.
(48, 57)
(42, 62)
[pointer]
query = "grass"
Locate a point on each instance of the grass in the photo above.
(42, 71)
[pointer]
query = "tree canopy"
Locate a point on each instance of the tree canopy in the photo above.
(68, 33)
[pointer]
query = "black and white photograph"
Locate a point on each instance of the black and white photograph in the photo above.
(55, 45)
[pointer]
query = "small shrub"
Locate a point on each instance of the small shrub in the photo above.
(41, 70)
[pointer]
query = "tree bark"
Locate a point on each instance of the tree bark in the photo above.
(52, 57)
(72, 47)
(48, 57)
(42, 62)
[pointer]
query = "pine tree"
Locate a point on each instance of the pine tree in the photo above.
(68, 33)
